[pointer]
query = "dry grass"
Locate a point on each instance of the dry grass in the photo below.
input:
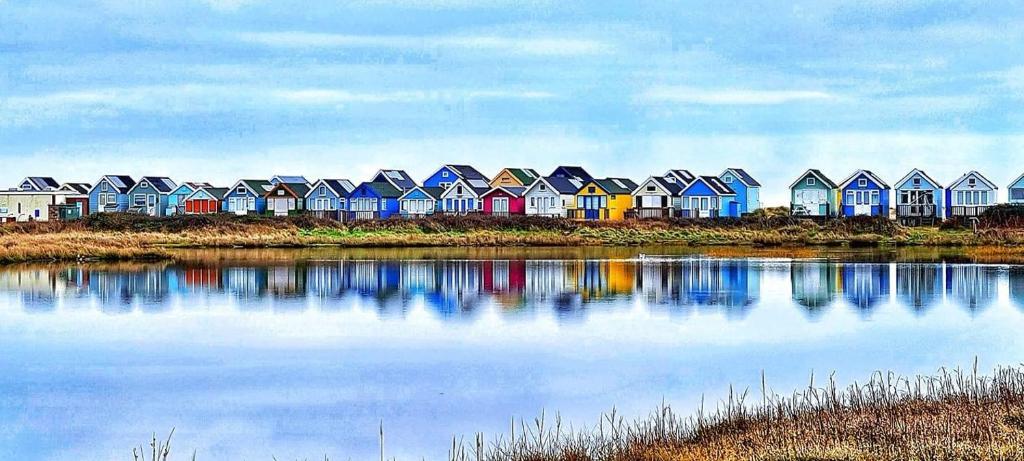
(951, 416)
(114, 236)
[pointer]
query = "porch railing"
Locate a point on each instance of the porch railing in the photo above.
(916, 211)
(584, 214)
(651, 213)
(334, 215)
(799, 209)
(361, 215)
(696, 213)
(500, 214)
(968, 211)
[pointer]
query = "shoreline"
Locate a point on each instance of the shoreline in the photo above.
(129, 237)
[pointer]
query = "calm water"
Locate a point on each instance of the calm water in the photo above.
(297, 354)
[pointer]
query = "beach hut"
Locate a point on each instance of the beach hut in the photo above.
(748, 190)
(505, 201)
(814, 195)
(919, 199)
(551, 196)
(110, 194)
(970, 195)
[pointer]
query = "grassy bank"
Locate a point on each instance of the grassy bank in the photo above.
(951, 416)
(136, 237)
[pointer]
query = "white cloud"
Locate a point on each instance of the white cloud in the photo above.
(727, 97)
(541, 46)
(194, 99)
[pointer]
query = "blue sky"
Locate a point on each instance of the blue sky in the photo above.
(217, 90)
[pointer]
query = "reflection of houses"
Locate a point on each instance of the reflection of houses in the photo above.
(38, 288)
(378, 280)
(506, 280)
(326, 280)
(195, 279)
(111, 290)
(865, 285)
(286, 282)
(546, 280)
(459, 287)
(246, 283)
(974, 287)
(815, 284)
(918, 285)
(1016, 276)
(150, 286)
(714, 282)
(597, 280)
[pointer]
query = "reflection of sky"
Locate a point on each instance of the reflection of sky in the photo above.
(82, 382)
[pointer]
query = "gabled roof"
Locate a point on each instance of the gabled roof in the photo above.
(616, 185)
(297, 189)
(340, 187)
(572, 172)
(160, 183)
(670, 187)
(79, 187)
(525, 175)
(563, 186)
(256, 186)
(873, 177)
(383, 189)
(467, 172)
(682, 175)
(743, 176)
(935, 184)
(122, 183)
(515, 191)
(41, 183)
(432, 192)
(714, 183)
(276, 179)
(196, 185)
(479, 187)
(397, 178)
(1015, 181)
(817, 174)
(980, 176)
(215, 192)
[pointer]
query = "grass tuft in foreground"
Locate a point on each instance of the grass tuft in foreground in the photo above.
(952, 416)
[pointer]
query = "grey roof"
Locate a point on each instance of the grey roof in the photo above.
(717, 185)
(683, 175)
(340, 187)
(745, 177)
(516, 191)
(80, 187)
(288, 179)
(867, 173)
(196, 185)
(160, 183)
(467, 172)
(616, 185)
(434, 192)
(42, 182)
(672, 187)
(572, 172)
(564, 186)
(217, 192)
(397, 178)
(123, 183)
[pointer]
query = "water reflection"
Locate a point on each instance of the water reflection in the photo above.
(457, 289)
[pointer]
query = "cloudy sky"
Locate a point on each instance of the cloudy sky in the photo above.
(221, 89)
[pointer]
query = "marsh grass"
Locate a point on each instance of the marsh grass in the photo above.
(954, 415)
(122, 236)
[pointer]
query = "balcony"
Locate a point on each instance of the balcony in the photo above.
(968, 211)
(916, 211)
(651, 213)
(362, 215)
(333, 215)
(696, 213)
(588, 215)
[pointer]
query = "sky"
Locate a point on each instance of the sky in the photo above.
(218, 90)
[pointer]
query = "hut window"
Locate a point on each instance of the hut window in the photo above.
(458, 190)
(533, 201)
(591, 190)
(240, 190)
(917, 181)
(727, 179)
(984, 197)
(104, 187)
(874, 197)
(1017, 194)
(26, 186)
(444, 174)
(323, 190)
(543, 187)
(811, 181)
(972, 182)
(862, 182)
(280, 192)
(140, 200)
(651, 189)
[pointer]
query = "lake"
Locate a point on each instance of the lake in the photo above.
(301, 353)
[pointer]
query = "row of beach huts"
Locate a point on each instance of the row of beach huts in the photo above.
(568, 191)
